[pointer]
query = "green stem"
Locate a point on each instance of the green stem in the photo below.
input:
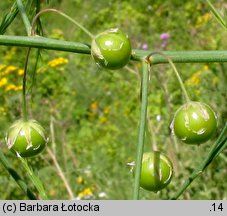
(33, 74)
(149, 59)
(25, 114)
(183, 56)
(138, 55)
(141, 132)
(62, 14)
(21, 183)
(35, 180)
(219, 145)
(28, 29)
(8, 18)
(44, 43)
(24, 16)
(217, 14)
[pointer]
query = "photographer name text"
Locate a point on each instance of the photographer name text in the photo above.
(39, 207)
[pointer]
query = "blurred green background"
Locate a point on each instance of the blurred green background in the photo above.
(92, 114)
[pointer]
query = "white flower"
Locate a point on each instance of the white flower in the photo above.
(102, 194)
(158, 117)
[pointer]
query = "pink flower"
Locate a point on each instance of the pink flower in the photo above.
(165, 36)
(145, 46)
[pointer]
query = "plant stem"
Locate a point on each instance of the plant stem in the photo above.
(8, 18)
(35, 180)
(62, 14)
(28, 29)
(24, 16)
(61, 174)
(141, 132)
(25, 115)
(52, 132)
(216, 149)
(33, 73)
(138, 55)
(52, 153)
(217, 15)
(21, 183)
(182, 56)
(149, 59)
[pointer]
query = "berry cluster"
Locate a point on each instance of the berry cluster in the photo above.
(193, 123)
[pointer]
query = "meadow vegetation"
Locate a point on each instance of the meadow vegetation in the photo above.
(92, 114)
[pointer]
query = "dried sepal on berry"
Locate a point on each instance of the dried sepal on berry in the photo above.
(111, 49)
(194, 123)
(156, 171)
(26, 138)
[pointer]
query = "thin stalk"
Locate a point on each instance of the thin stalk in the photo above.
(217, 14)
(21, 183)
(62, 14)
(61, 174)
(8, 18)
(220, 137)
(175, 71)
(154, 146)
(25, 114)
(39, 28)
(216, 149)
(52, 153)
(24, 16)
(52, 134)
(33, 73)
(35, 180)
(141, 132)
(193, 176)
(28, 29)
(151, 128)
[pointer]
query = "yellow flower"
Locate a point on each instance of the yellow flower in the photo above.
(18, 88)
(10, 87)
(52, 192)
(194, 79)
(3, 111)
(3, 81)
(106, 110)
(10, 68)
(205, 67)
(206, 17)
(94, 105)
(79, 180)
(57, 62)
(20, 72)
(201, 20)
(2, 67)
(86, 193)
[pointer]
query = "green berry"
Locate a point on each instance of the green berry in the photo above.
(111, 49)
(194, 123)
(156, 171)
(26, 138)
